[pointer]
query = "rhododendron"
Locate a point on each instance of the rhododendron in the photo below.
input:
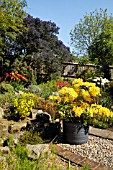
(77, 102)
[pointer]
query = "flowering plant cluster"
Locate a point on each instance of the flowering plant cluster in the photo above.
(78, 103)
(62, 84)
(23, 104)
(100, 81)
(15, 75)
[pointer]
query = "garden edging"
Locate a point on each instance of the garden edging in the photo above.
(104, 133)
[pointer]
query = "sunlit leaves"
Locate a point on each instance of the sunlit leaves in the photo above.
(87, 30)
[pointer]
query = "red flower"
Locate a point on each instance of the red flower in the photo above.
(66, 83)
(7, 75)
(61, 84)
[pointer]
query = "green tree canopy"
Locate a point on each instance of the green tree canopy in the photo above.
(88, 28)
(11, 24)
(11, 21)
(101, 50)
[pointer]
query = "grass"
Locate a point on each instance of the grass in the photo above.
(32, 138)
(18, 159)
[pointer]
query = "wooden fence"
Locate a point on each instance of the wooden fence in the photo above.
(71, 70)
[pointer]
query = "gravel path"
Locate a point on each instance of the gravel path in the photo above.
(97, 149)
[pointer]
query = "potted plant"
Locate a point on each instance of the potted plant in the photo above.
(77, 106)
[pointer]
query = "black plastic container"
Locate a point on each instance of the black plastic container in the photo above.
(75, 133)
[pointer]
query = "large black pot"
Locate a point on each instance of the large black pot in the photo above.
(75, 133)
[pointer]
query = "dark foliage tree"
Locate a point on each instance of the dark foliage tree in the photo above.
(41, 48)
(29, 45)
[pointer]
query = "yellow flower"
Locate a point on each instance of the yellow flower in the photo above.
(77, 82)
(91, 111)
(77, 101)
(94, 91)
(78, 111)
(86, 95)
(66, 99)
(24, 104)
(55, 98)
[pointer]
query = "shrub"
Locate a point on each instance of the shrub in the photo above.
(23, 104)
(5, 87)
(46, 106)
(32, 137)
(6, 99)
(106, 100)
(46, 89)
(77, 104)
(18, 85)
(33, 89)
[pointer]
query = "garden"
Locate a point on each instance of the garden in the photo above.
(73, 100)
(42, 107)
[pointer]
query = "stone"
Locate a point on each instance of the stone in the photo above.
(35, 151)
(34, 125)
(1, 112)
(2, 158)
(34, 113)
(43, 117)
(3, 126)
(4, 150)
(17, 127)
(104, 133)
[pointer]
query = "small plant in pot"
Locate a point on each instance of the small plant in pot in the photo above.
(76, 105)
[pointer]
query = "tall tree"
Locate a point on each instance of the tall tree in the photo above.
(101, 49)
(87, 30)
(41, 48)
(11, 24)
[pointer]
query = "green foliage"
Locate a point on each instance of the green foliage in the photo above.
(100, 124)
(11, 20)
(7, 99)
(46, 89)
(6, 87)
(101, 49)
(87, 30)
(21, 152)
(18, 85)
(106, 100)
(87, 74)
(32, 138)
(11, 24)
(33, 89)
(83, 60)
(18, 159)
(85, 167)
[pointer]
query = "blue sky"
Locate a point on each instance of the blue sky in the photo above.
(65, 13)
